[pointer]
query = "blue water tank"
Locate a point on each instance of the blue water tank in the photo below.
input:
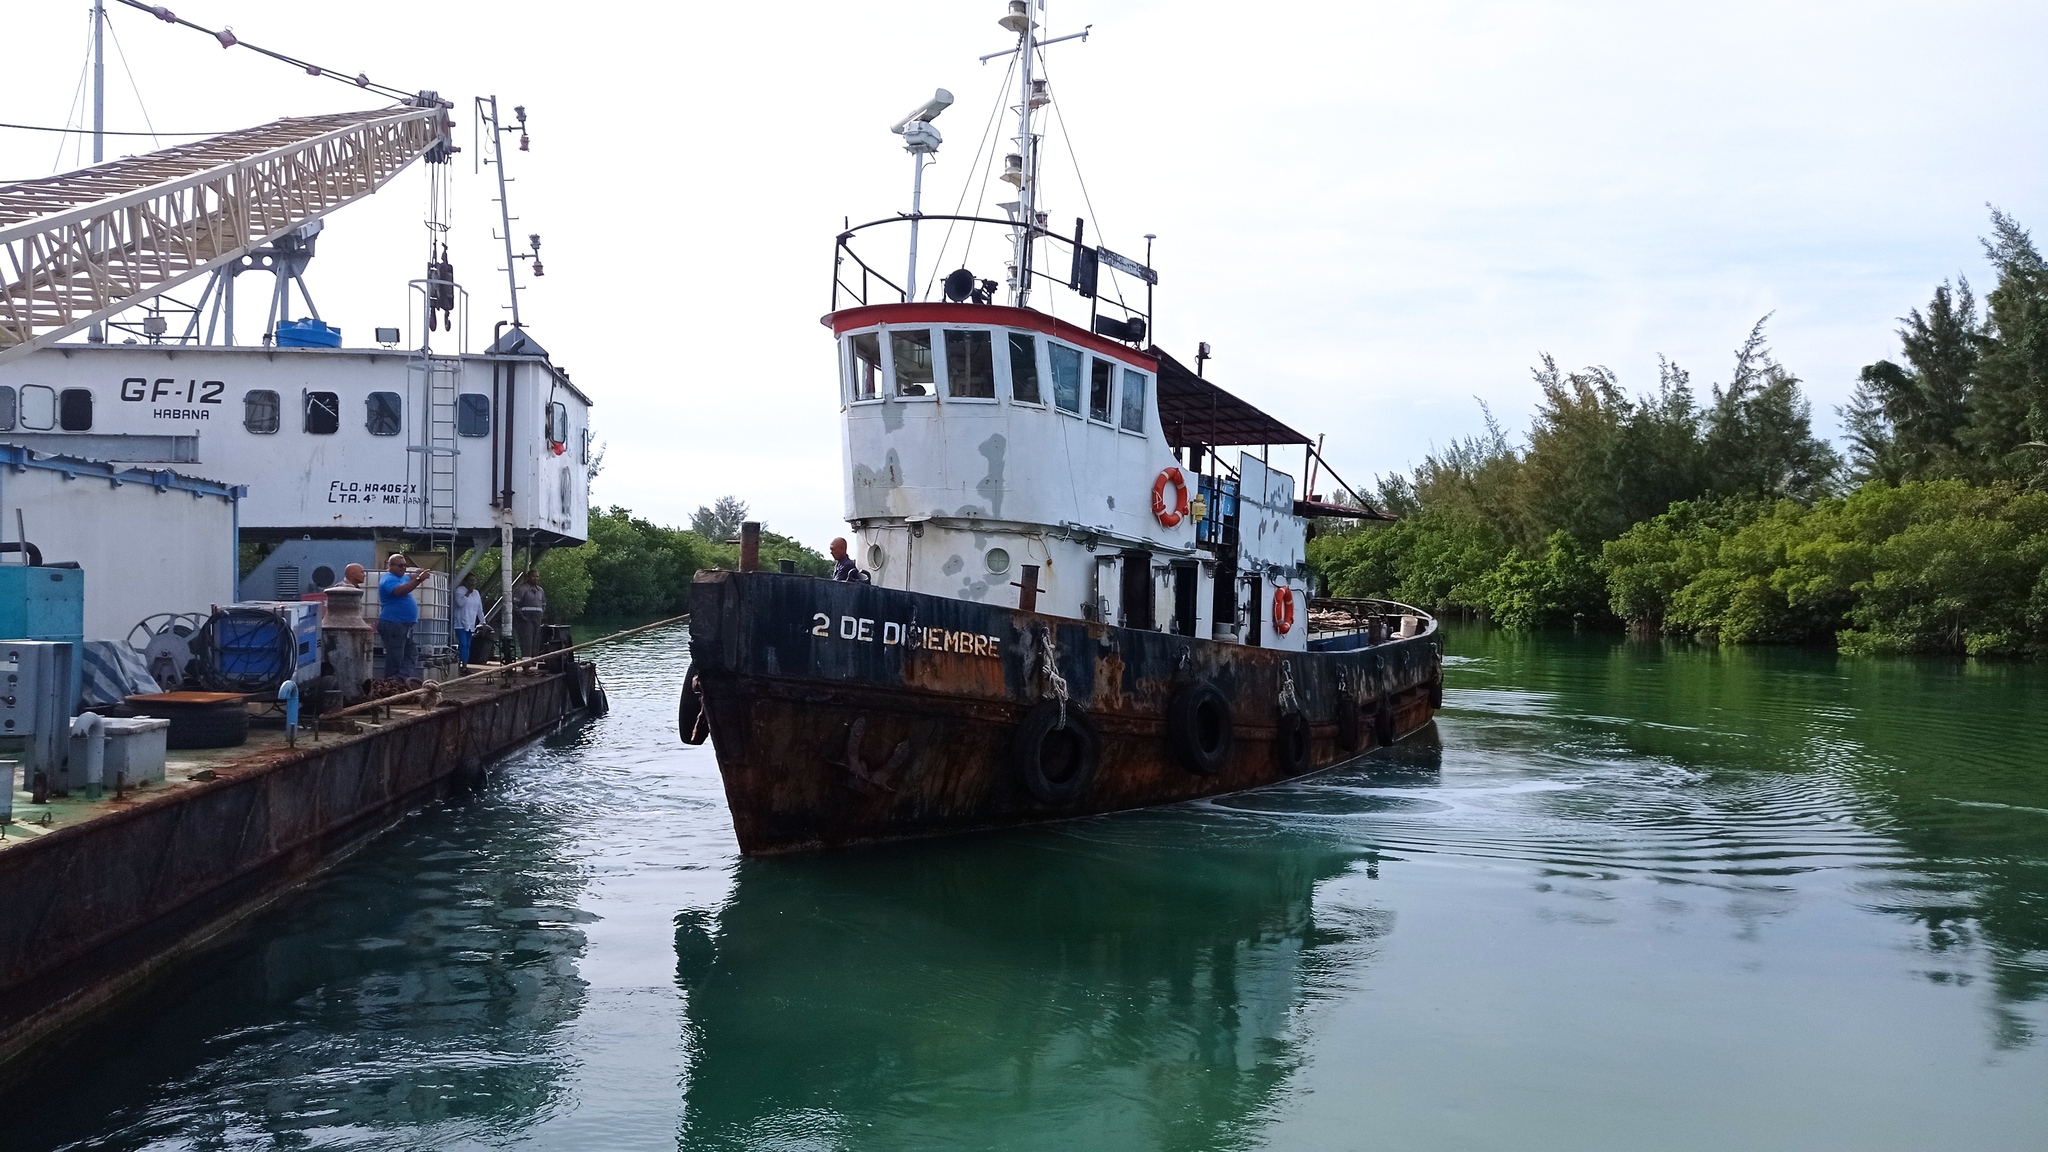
(42, 603)
(307, 333)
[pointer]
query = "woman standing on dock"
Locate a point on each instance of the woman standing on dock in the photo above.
(469, 612)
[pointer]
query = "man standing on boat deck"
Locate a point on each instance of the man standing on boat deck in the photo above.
(397, 612)
(844, 569)
(530, 603)
(469, 612)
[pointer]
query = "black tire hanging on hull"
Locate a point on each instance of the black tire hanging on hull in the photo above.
(691, 722)
(1291, 745)
(1350, 728)
(1199, 728)
(1055, 764)
(1383, 722)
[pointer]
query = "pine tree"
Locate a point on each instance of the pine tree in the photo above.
(2009, 396)
(1759, 431)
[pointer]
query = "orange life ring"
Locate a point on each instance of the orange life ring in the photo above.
(1170, 516)
(1283, 609)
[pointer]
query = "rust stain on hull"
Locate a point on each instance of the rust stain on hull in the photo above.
(94, 908)
(828, 734)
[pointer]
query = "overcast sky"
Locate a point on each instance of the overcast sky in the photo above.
(1377, 213)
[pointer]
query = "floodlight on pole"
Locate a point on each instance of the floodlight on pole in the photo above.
(920, 139)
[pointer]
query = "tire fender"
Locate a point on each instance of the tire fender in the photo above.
(1055, 764)
(692, 723)
(1350, 726)
(1383, 722)
(1292, 747)
(1200, 729)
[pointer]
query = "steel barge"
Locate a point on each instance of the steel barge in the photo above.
(102, 894)
(1079, 583)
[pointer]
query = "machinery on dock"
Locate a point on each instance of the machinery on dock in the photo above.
(414, 440)
(1079, 582)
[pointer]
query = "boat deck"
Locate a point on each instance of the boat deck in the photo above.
(185, 769)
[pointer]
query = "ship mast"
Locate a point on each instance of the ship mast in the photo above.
(1019, 19)
(1021, 167)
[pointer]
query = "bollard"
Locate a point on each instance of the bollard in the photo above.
(94, 729)
(289, 693)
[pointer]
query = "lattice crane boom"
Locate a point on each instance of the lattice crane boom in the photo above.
(77, 248)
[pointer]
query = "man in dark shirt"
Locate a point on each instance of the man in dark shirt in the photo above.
(844, 569)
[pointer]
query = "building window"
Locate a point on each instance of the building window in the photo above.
(866, 366)
(323, 413)
(472, 414)
(262, 412)
(1066, 378)
(74, 410)
(970, 365)
(1024, 368)
(6, 409)
(1098, 390)
(386, 414)
(1134, 401)
(38, 408)
(912, 355)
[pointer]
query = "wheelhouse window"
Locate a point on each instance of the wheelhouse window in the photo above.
(911, 356)
(970, 365)
(1066, 378)
(1024, 368)
(558, 422)
(472, 414)
(6, 409)
(865, 366)
(1099, 379)
(386, 414)
(323, 413)
(1133, 415)
(38, 407)
(74, 410)
(261, 411)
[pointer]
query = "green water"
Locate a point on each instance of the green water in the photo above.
(1630, 896)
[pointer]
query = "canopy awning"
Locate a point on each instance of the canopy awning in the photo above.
(1194, 411)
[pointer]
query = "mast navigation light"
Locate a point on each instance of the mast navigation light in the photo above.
(1018, 18)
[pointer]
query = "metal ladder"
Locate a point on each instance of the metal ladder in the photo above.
(437, 378)
(432, 512)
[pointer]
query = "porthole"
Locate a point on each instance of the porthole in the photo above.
(998, 561)
(876, 557)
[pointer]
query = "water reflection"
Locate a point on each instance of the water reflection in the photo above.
(1142, 982)
(1926, 775)
(418, 990)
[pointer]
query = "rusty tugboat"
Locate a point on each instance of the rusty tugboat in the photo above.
(1067, 599)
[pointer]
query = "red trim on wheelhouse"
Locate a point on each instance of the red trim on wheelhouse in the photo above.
(847, 319)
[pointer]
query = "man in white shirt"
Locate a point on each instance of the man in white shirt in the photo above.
(469, 612)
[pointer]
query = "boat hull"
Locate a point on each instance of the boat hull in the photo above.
(847, 714)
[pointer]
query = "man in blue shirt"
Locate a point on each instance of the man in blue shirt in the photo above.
(397, 612)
